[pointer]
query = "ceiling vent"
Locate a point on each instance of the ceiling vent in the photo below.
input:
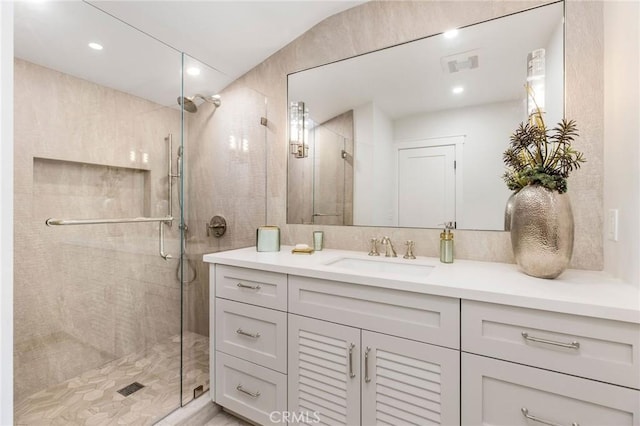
(460, 62)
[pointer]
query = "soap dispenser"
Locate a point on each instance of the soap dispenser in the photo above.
(446, 243)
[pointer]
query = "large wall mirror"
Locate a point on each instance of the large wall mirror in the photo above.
(413, 135)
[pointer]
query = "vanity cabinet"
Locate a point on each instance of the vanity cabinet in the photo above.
(364, 350)
(349, 376)
(250, 349)
(524, 365)
(381, 364)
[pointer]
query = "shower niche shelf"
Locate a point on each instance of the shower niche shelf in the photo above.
(63, 188)
(134, 161)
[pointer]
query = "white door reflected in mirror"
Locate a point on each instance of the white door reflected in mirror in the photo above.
(426, 186)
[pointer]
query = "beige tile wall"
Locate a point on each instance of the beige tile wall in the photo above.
(85, 295)
(379, 24)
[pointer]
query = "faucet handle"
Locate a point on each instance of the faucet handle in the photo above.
(374, 247)
(409, 255)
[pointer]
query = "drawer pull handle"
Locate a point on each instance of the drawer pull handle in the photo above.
(252, 287)
(572, 345)
(251, 394)
(525, 413)
(246, 333)
(351, 373)
(367, 379)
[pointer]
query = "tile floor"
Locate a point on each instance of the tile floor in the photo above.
(92, 399)
(226, 419)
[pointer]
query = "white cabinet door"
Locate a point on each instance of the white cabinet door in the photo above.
(408, 383)
(324, 371)
(502, 393)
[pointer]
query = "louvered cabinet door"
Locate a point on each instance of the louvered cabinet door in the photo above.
(324, 371)
(405, 382)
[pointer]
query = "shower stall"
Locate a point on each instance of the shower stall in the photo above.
(320, 187)
(115, 187)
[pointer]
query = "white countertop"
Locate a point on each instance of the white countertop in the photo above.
(589, 293)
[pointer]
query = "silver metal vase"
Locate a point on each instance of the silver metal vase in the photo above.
(508, 211)
(542, 231)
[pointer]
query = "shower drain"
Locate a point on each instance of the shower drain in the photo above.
(129, 389)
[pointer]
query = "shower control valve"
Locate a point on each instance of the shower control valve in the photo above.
(217, 225)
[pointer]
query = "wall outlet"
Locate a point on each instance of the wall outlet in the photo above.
(612, 225)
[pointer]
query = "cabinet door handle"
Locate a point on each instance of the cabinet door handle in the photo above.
(246, 333)
(251, 394)
(572, 345)
(351, 373)
(366, 365)
(252, 287)
(525, 413)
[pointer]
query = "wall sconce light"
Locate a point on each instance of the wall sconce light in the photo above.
(298, 145)
(535, 81)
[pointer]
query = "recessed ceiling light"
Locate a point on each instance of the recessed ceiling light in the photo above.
(193, 71)
(95, 46)
(450, 33)
(457, 90)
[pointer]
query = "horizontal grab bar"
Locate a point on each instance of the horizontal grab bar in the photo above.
(58, 222)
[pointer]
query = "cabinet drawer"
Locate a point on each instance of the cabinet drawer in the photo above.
(595, 348)
(422, 317)
(252, 333)
(249, 390)
(262, 288)
(502, 393)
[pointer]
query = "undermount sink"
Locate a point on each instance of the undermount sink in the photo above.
(381, 265)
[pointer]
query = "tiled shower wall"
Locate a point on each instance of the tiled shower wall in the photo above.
(225, 169)
(378, 24)
(85, 295)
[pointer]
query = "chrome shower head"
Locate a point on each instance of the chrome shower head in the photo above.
(190, 106)
(187, 104)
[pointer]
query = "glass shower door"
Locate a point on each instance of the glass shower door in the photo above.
(332, 177)
(97, 301)
(224, 169)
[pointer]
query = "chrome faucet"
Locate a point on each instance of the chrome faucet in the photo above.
(389, 250)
